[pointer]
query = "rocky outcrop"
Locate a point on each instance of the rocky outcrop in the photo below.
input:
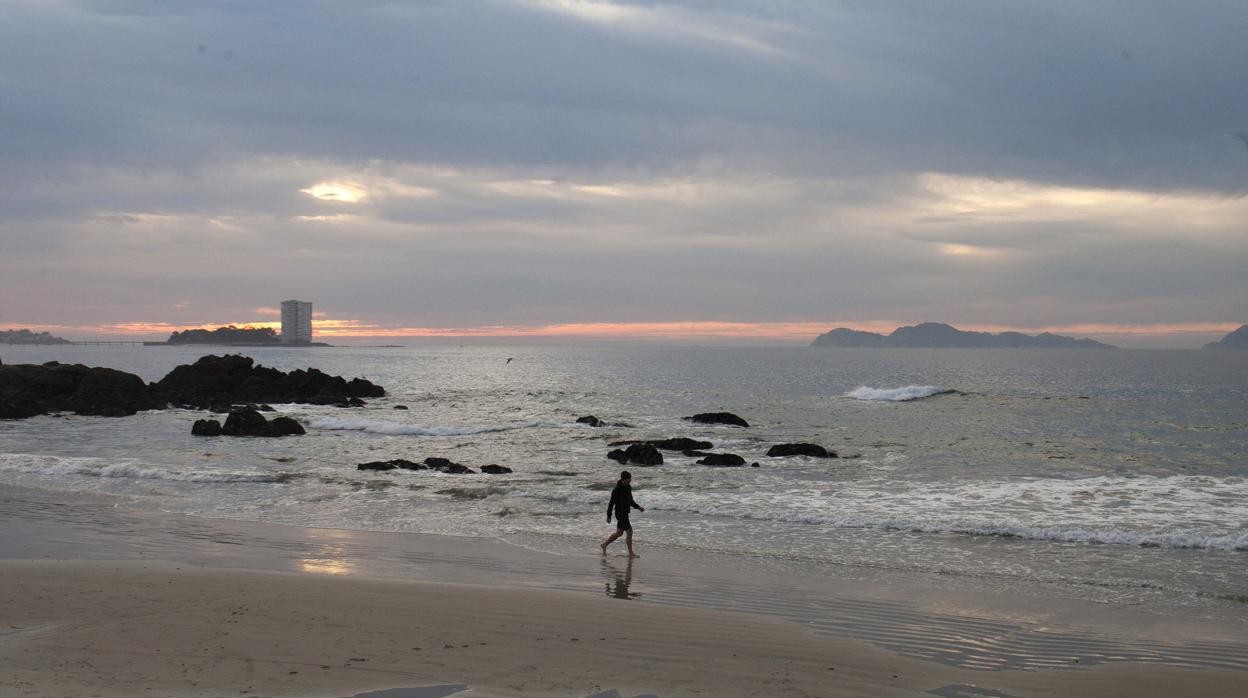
(206, 427)
(800, 449)
(252, 423)
(718, 418)
(495, 469)
(29, 389)
(637, 454)
(679, 443)
(591, 420)
(231, 379)
(722, 460)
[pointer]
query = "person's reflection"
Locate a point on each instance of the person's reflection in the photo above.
(619, 580)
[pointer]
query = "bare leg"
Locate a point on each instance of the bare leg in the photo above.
(610, 539)
(628, 540)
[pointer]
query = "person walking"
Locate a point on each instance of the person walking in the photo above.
(620, 504)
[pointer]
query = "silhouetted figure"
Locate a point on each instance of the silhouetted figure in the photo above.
(509, 359)
(620, 504)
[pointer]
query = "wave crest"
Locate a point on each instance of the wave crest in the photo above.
(902, 394)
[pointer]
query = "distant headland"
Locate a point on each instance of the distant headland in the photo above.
(936, 335)
(234, 336)
(1233, 340)
(28, 337)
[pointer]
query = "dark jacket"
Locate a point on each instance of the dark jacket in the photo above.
(621, 500)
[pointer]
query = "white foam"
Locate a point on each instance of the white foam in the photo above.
(902, 394)
(379, 426)
(95, 467)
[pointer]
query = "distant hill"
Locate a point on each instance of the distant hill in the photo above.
(226, 335)
(28, 337)
(933, 335)
(1235, 340)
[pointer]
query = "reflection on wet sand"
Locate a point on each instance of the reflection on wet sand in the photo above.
(619, 580)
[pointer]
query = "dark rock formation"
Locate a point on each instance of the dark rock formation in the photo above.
(391, 465)
(400, 407)
(718, 418)
(932, 335)
(637, 454)
(206, 427)
(591, 420)
(217, 380)
(679, 443)
(252, 423)
(1235, 340)
(495, 469)
(722, 460)
(445, 465)
(28, 389)
(812, 450)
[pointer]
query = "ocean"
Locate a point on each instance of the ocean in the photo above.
(1116, 476)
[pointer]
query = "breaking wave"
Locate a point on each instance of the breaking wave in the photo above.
(379, 426)
(94, 467)
(902, 394)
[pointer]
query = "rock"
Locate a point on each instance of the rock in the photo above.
(444, 465)
(251, 423)
(722, 460)
(245, 423)
(284, 426)
(27, 390)
(391, 465)
(495, 469)
(206, 427)
(400, 407)
(637, 454)
(591, 420)
(213, 381)
(676, 444)
(718, 418)
(800, 449)
(754, 464)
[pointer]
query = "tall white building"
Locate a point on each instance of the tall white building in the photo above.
(296, 322)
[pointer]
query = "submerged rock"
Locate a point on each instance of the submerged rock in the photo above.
(800, 449)
(495, 469)
(445, 465)
(718, 418)
(206, 427)
(677, 444)
(591, 420)
(722, 460)
(637, 454)
(391, 465)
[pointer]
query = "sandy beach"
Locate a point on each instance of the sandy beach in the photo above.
(98, 599)
(124, 629)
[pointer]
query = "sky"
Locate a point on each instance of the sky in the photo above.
(748, 171)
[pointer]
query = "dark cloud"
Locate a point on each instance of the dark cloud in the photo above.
(530, 161)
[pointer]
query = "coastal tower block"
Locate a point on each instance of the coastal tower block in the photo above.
(296, 322)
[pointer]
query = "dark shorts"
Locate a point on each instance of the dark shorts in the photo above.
(621, 522)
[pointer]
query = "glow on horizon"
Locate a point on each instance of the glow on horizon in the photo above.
(326, 329)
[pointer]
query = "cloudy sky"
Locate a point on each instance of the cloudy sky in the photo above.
(694, 170)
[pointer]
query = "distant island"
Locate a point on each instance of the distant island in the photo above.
(1234, 340)
(226, 335)
(936, 335)
(28, 337)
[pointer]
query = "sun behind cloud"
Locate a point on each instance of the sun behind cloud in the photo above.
(340, 192)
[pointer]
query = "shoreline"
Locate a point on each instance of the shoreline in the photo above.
(877, 623)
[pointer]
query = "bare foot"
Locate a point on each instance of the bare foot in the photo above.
(633, 555)
(603, 547)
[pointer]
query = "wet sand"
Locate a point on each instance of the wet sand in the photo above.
(97, 598)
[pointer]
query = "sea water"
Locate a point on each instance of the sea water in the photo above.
(1113, 475)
